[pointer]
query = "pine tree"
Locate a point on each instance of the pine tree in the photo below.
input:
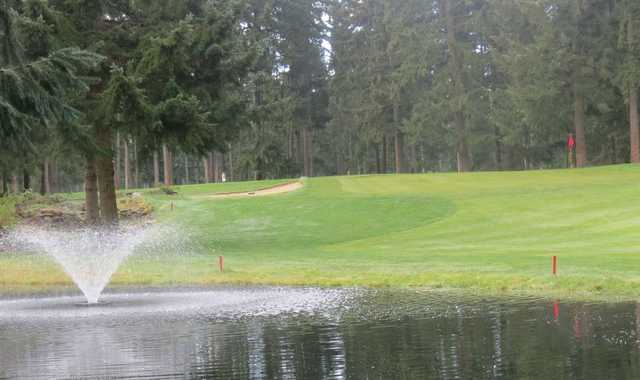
(35, 81)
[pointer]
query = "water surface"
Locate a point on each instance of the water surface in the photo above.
(312, 333)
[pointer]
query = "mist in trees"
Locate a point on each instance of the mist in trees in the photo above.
(108, 95)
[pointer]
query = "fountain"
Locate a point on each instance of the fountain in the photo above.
(89, 256)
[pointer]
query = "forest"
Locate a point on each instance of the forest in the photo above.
(103, 95)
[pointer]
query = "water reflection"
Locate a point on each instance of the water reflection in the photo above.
(383, 335)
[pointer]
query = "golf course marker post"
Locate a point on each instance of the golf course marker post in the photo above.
(554, 265)
(221, 263)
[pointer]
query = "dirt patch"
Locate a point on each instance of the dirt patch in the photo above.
(274, 190)
(55, 211)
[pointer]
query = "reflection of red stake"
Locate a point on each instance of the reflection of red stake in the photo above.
(556, 311)
(221, 263)
(554, 265)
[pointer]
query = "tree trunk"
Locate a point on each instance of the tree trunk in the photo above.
(156, 169)
(385, 155)
(136, 165)
(579, 123)
(117, 168)
(290, 144)
(310, 151)
(300, 148)
(456, 68)
(168, 165)
(53, 177)
(42, 190)
(398, 140)
(498, 140)
(14, 184)
(205, 166)
(106, 176)
(186, 169)
(464, 158)
(399, 152)
(4, 183)
(91, 191)
(306, 151)
(378, 159)
(634, 125)
(47, 176)
(127, 165)
(215, 167)
(230, 175)
(26, 180)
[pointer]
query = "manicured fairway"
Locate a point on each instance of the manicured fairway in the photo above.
(487, 232)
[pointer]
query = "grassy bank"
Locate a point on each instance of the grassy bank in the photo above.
(487, 232)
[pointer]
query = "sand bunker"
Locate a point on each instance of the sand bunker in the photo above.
(279, 189)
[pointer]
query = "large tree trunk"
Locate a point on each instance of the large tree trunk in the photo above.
(579, 123)
(634, 124)
(106, 176)
(91, 191)
(456, 68)
(168, 165)
(156, 169)
(127, 165)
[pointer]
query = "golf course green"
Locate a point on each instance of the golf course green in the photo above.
(493, 233)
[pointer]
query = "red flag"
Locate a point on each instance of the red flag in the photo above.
(571, 143)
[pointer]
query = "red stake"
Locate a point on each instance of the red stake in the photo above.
(555, 265)
(221, 263)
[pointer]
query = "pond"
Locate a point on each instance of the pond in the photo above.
(306, 333)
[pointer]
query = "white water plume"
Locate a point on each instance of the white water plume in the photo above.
(89, 256)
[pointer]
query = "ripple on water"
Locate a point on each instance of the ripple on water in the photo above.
(263, 333)
(220, 303)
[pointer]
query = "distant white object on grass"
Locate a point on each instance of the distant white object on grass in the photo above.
(224, 177)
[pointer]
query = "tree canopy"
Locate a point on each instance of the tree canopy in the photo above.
(187, 90)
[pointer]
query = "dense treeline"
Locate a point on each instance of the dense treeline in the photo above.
(110, 94)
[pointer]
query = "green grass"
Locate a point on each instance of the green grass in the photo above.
(7, 210)
(492, 233)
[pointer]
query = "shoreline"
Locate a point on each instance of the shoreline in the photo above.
(555, 291)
